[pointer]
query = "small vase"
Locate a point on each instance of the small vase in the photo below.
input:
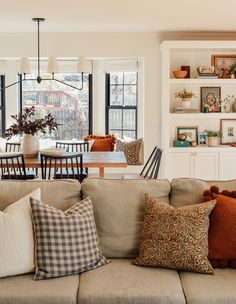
(30, 145)
(227, 106)
(186, 103)
(213, 141)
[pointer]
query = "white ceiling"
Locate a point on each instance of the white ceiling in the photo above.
(118, 16)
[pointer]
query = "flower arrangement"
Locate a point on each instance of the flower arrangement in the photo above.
(184, 94)
(29, 123)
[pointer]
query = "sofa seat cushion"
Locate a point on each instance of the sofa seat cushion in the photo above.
(204, 289)
(119, 211)
(23, 289)
(122, 282)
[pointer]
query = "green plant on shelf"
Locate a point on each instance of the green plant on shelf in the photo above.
(211, 133)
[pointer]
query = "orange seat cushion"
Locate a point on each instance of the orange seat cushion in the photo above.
(102, 143)
(222, 231)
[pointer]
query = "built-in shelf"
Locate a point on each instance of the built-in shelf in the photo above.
(203, 115)
(211, 163)
(198, 81)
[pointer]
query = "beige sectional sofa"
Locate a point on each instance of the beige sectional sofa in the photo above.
(119, 213)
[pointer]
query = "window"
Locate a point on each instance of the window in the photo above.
(121, 103)
(71, 108)
(2, 105)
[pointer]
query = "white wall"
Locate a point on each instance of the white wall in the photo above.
(138, 45)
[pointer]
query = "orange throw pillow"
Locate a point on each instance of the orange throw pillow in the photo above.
(102, 143)
(222, 231)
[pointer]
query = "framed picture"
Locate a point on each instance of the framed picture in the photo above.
(223, 64)
(210, 99)
(191, 133)
(228, 131)
(202, 138)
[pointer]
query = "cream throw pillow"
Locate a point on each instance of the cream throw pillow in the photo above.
(17, 237)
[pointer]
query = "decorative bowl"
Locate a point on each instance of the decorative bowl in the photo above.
(53, 151)
(180, 74)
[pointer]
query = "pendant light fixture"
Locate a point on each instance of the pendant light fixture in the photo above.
(53, 66)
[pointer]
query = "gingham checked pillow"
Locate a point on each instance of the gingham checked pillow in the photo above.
(66, 242)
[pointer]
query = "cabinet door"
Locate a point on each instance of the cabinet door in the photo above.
(206, 165)
(227, 165)
(179, 165)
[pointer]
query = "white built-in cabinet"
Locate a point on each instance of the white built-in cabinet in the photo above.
(202, 165)
(209, 163)
(227, 165)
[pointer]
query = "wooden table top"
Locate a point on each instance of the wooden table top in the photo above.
(91, 160)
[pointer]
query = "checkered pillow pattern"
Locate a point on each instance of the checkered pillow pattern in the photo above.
(66, 242)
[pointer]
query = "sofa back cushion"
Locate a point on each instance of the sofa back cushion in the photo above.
(188, 191)
(60, 194)
(119, 211)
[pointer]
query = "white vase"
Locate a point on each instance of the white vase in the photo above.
(30, 145)
(186, 103)
(213, 141)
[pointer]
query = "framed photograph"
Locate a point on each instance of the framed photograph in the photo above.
(210, 99)
(202, 138)
(228, 131)
(223, 64)
(191, 133)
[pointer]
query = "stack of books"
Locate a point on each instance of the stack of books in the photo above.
(207, 75)
(186, 110)
(206, 72)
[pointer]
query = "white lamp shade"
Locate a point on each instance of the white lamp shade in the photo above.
(24, 66)
(53, 66)
(3, 67)
(83, 65)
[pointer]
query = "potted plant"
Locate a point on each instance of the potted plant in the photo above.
(186, 97)
(213, 138)
(31, 124)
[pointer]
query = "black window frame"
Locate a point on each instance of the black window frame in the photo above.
(90, 101)
(119, 107)
(3, 104)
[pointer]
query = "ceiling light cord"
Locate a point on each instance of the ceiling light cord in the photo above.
(38, 77)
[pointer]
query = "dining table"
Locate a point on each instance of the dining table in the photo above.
(100, 160)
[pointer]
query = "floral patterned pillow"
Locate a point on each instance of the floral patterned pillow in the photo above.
(132, 150)
(175, 238)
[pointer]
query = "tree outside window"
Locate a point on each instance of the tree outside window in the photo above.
(70, 107)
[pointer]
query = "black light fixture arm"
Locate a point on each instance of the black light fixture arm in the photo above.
(10, 85)
(39, 78)
(69, 85)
